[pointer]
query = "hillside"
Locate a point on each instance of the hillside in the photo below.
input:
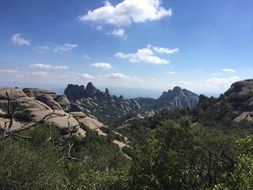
(234, 106)
(206, 147)
(176, 98)
(111, 109)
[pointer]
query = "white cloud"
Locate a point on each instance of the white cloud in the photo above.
(119, 33)
(9, 71)
(144, 55)
(86, 56)
(127, 12)
(101, 65)
(41, 66)
(228, 70)
(219, 83)
(124, 78)
(113, 78)
(65, 48)
(87, 76)
(185, 82)
(10, 74)
(17, 39)
(165, 50)
(37, 74)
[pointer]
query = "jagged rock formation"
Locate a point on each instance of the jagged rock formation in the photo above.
(75, 92)
(177, 97)
(90, 106)
(48, 107)
(37, 110)
(236, 104)
(108, 108)
(111, 109)
(240, 97)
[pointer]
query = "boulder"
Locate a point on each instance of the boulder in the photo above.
(45, 96)
(39, 110)
(244, 117)
(63, 101)
(87, 120)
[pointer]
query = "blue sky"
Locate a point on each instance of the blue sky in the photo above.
(146, 44)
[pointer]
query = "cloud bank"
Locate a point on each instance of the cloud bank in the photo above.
(127, 12)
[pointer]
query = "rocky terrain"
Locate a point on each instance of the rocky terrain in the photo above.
(24, 109)
(177, 97)
(111, 109)
(240, 97)
(236, 105)
(88, 106)
(108, 108)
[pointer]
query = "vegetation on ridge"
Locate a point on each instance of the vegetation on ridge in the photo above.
(203, 148)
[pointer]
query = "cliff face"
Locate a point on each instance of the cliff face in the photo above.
(240, 97)
(235, 105)
(108, 108)
(75, 92)
(177, 97)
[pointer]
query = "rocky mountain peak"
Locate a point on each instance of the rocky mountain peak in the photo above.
(177, 90)
(242, 88)
(91, 89)
(171, 93)
(177, 97)
(107, 91)
(75, 92)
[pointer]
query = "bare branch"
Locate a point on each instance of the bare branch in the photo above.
(68, 155)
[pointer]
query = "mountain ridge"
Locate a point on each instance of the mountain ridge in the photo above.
(110, 107)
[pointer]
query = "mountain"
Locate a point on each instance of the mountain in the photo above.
(178, 97)
(240, 97)
(234, 106)
(87, 105)
(110, 108)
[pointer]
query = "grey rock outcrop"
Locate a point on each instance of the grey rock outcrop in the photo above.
(177, 97)
(240, 98)
(103, 105)
(75, 92)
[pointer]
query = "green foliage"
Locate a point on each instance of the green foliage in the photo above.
(22, 168)
(179, 149)
(36, 162)
(183, 157)
(97, 180)
(242, 175)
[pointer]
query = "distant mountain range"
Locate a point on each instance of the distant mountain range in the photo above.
(110, 108)
(95, 108)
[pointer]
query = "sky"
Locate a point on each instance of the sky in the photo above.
(144, 46)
